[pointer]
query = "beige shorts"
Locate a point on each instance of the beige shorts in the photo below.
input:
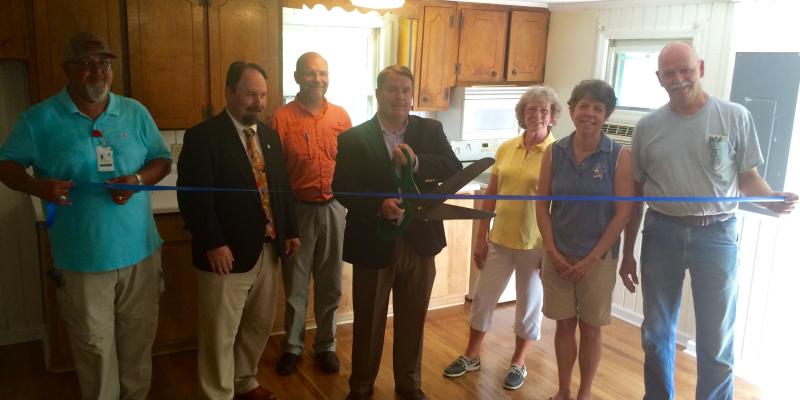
(588, 299)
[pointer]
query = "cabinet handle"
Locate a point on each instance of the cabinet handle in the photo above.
(494, 73)
(424, 99)
(513, 72)
(446, 93)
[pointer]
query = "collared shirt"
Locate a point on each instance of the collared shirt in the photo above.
(517, 172)
(392, 139)
(578, 225)
(309, 146)
(240, 128)
(93, 234)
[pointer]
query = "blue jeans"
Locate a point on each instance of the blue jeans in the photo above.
(710, 253)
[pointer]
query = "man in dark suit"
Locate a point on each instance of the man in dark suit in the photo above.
(237, 237)
(368, 156)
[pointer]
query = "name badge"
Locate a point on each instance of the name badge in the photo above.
(105, 159)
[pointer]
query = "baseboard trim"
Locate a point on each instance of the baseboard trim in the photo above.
(682, 338)
(21, 335)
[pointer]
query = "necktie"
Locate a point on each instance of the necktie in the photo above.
(260, 175)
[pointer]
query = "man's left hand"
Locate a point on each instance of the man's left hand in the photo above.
(784, 207)
(291, 246)
(121, 196)
(400, 158)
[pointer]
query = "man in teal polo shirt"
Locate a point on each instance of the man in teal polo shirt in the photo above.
(105, 245)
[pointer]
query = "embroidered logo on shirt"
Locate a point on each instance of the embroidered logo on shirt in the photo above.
(599, 171)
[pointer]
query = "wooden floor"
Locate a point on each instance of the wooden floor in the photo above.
(22, 373)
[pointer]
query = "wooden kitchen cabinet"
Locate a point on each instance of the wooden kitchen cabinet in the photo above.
(14, 29)
(168, 60)
(481, 45)
(489, 45)
(527, 46)
(55, 21)
(436, 49)
(180, 52)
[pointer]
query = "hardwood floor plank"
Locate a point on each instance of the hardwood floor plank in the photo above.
(619, 376)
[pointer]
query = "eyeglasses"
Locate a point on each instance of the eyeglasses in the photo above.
(88, 65)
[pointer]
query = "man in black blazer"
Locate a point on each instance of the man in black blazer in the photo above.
(368, 156)
(237, 237)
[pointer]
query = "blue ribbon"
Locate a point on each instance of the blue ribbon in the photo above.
(51, 208)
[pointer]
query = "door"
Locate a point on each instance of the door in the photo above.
(435, 65)
(14, 29)
(245, 30)
(482, 46)
(167, 58)
(527, 46)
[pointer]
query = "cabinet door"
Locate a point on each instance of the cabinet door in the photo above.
(527, 46)
(55, 21)
(434, 68)
(245, 30)
(167, 57)
(14, 29)
(482, 46)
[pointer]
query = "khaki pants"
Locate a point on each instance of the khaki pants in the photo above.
(321, 233)
(235, 316)
(111, 320)
(409, 278)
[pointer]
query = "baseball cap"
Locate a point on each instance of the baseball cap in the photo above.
(84, 44)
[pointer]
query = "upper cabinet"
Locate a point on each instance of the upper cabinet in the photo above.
(481, 45)
(487, 45)
(436, 55)
(55, 21)
(178, 75)
(527, 46)
(245, 31)
(168, 60)
(14, 29)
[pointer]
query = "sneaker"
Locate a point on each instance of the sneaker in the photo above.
(515, 377)
(461, 366)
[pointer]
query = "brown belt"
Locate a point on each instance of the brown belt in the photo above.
(695, 220)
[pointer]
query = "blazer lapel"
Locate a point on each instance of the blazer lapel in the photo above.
(376, 143)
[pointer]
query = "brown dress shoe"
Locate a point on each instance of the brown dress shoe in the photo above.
(259, 393)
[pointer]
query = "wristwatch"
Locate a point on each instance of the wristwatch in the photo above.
(139, 179)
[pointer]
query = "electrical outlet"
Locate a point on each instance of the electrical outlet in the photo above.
(175, 149)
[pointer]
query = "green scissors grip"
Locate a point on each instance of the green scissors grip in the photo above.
(387, 230)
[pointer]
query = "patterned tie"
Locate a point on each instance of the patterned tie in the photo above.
(260, 174)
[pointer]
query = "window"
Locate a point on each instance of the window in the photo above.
(632, 64)
(349, 41)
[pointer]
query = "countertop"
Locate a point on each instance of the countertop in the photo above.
(165, 201)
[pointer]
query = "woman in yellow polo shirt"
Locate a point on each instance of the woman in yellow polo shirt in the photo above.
(514, 243)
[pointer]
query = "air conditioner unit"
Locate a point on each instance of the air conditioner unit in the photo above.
(621, 133)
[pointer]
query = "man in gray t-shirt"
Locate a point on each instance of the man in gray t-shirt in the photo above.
(701, 146)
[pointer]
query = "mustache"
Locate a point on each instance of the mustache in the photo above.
(681, 85)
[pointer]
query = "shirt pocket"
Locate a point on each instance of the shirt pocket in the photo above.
(328, 141)
(296, 143)
(719, 153)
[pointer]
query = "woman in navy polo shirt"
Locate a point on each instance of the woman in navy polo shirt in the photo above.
(581, 238)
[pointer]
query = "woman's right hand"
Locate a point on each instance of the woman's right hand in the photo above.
(559, 260)
(479, 251)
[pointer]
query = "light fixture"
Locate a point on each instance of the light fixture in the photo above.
(378, 4)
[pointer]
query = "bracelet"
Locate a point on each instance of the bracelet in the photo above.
(139, 179)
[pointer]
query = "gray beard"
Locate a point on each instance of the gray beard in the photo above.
(97, 92)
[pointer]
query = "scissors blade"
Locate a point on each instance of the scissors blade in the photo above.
(457, 181)
(448, 211)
